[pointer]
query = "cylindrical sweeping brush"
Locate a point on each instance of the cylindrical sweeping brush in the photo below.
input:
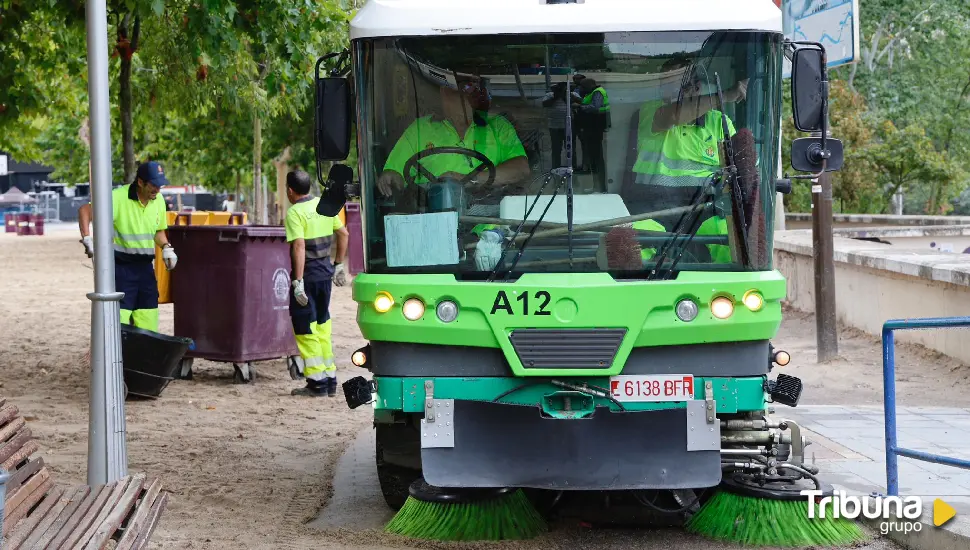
(621, 249)
(443, 514)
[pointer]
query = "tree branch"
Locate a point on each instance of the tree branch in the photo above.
(135, 34)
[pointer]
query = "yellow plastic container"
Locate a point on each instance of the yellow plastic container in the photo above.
(162, 276)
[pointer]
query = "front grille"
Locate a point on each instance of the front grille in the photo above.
(591, 348)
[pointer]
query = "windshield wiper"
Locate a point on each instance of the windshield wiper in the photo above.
(511, 241)
(569, 169)
(736, 195)
(695, 215)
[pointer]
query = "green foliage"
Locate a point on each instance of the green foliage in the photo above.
(901, 111)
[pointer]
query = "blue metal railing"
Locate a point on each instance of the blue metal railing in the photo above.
(893, 451)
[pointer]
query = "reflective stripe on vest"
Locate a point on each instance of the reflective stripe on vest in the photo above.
(685, 155)
(606, 99)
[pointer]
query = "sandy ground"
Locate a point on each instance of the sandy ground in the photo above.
(248, 464)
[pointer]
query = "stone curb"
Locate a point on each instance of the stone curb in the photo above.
(953, 535)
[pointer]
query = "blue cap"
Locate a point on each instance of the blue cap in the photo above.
(152, 172)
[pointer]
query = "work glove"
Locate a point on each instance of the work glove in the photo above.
(488, 251)
(340, 274)
(169, 257)
(299, 293)
(88, 243)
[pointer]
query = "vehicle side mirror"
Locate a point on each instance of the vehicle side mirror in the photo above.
(334, 196)
(807, 89)
(332, 119)
(807, 156)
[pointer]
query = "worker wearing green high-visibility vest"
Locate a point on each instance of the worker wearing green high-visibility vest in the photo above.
(140, 222)
(467, 124)
(678, 141)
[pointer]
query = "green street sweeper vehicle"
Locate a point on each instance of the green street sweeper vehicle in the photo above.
(567, 215)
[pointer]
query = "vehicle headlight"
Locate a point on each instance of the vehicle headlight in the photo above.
(447, 311)
(686, 310)
(413, 309)
(383, 302)
(722, 307)
(753, 300)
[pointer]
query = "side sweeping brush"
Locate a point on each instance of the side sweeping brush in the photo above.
(444, 514)
(755, 516)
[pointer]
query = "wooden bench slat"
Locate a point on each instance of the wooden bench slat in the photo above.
(72, 522)
(24, 453)
(140, 517)
(119, 490)
(8, 413)
(12, 427)
(87, 520)
(18, 498)
(19, 476)
(70, 496)
(21, 531)
(64, 516)
(20, 511)
(118, 514)
(142, 540)
(8, 449)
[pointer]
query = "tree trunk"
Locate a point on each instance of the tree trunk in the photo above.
(126, 48)
(258, 170)
(238, 195)
(518, 81)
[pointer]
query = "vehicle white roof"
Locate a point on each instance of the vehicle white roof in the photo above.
(382, 18)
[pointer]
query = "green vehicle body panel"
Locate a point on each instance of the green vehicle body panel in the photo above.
(566, 301)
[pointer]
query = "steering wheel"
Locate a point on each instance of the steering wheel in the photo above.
(412, 162)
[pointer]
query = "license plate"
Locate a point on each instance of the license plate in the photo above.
(652, 388)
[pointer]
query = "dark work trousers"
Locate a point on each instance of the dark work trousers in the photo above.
(312, 328)
(139, 306)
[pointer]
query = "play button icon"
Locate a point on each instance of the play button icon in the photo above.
(942, 512)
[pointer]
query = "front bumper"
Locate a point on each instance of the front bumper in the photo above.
(500, 432)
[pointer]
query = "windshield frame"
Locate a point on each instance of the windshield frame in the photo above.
(768, 110)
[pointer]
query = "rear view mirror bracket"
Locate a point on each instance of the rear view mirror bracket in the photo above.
(820, 153)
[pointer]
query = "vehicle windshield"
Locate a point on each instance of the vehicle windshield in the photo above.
(460, 136)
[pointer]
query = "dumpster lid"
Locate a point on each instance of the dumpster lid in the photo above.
(243, 230)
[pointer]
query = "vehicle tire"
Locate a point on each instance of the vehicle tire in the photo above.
(395, 480)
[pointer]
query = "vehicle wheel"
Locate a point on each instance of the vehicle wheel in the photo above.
(293, 363)
(185, 369)
(395, 480)
(244, 373)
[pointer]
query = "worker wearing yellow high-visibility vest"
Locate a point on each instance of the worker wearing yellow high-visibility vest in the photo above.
(140, 222)
(310, 236)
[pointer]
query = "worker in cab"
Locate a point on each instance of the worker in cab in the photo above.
(464, 122)
(593, 115)
(313, 274)
(678, 139)
(140, 222)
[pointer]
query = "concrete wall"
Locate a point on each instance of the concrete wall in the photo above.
(878, 282)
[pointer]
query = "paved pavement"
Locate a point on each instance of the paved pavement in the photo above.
(849, 448)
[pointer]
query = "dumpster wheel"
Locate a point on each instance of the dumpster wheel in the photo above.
(185, 369)
(294, 364)
(244, 373)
